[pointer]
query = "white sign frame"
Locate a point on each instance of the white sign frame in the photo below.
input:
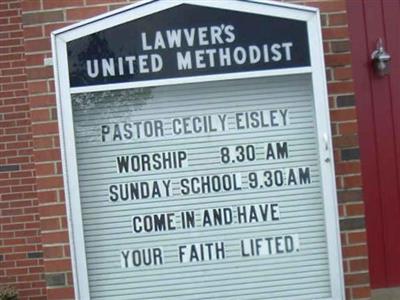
(60, 38)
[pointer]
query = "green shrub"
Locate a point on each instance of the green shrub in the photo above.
(8, 293)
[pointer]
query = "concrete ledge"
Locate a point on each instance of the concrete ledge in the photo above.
(386, 294)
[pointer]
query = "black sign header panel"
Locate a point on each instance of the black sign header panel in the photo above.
(187, 40)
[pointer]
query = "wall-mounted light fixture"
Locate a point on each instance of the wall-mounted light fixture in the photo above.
(380, 59)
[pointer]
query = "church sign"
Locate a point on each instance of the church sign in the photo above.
(196, 152)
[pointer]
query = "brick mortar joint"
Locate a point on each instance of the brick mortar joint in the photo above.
(66, 8)
(62, 258)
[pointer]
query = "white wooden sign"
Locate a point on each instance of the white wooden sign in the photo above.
(196, 153)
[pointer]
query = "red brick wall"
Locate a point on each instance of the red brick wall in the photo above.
(40, 17)
(21, 262)
(346, 148)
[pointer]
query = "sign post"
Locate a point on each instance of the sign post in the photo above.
(196, 153)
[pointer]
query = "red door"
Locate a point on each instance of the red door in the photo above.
(378, 108)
